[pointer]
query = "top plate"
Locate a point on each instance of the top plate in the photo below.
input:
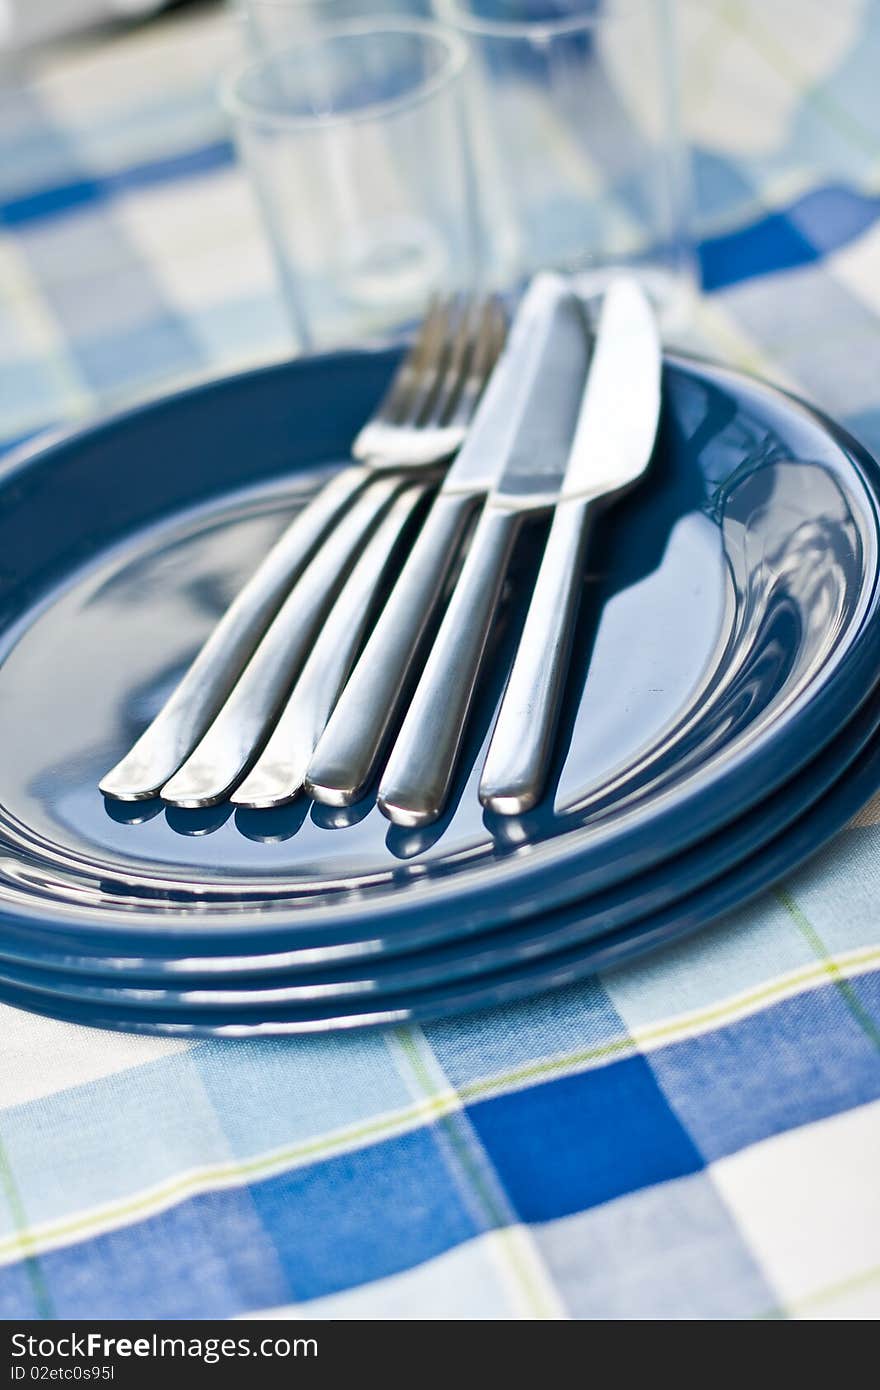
(730, 627)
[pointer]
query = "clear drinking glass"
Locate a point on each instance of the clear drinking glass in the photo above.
(575, 140)
(272, 24)
(356, 145)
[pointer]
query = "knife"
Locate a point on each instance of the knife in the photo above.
(532, 453)
(523, 426)
(612, 447)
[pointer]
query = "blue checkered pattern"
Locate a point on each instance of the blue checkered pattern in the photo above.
(696, 1135)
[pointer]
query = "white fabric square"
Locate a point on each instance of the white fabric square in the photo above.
(808, 1203)
(42, 1056)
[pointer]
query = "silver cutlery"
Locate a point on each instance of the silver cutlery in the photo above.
(612, 446)
(224, 753)
(524, 421)
(530, 448)
(279, 773)
(419, 425)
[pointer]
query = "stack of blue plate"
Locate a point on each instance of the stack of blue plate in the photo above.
(721, 723)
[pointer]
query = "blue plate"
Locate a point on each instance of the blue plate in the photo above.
(731, 628)
(197, 985)
(193, 985)
(771, 862)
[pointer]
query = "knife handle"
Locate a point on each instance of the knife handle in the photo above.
(417, 779)
(515, 770)
(349, 750)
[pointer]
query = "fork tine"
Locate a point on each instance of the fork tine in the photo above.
(396, 403)
(461, 348)
(487, 347)
(406, 391)
(434, 369)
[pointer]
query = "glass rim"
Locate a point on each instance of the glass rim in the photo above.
(247, 110)
(484, 27)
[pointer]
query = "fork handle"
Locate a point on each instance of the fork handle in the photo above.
(515, 770)
(234, 738)
(187, 714)
(349, 750)
(278, 774)
(415, 787)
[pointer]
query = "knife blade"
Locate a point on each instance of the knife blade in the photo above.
(415, 786)
(611, 450)
(521, 432)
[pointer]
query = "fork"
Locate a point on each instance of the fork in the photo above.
(417, 428)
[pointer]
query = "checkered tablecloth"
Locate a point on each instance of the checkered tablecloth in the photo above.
(694, 1136)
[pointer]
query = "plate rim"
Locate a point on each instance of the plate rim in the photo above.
(775, 860)
(862, 738)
